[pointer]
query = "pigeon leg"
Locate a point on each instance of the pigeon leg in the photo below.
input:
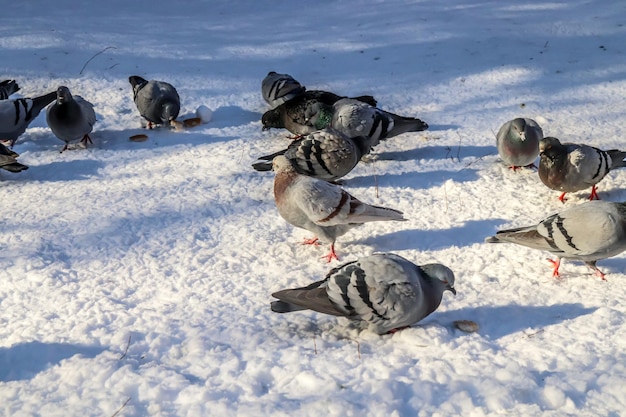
(562, 198)
(594, 193)
(531, 166)
(314, 241)
(332, 255)
(86, 139)
(593, 266)
(64, 148)
(555, 263)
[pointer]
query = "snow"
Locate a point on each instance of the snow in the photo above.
(136, 276)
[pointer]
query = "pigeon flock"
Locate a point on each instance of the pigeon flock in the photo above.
(385, 291)
(332, 134)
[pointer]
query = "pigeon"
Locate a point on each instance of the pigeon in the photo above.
(570, 167)
(16, 115)
(588, 232)
(384, 291)
(296, 114)
(71, 118)
(8, 160)
(356, 118)
(324, 154)
(518, 142)
(8, 87)
(157, 101)
(321, 207)
(279, 88)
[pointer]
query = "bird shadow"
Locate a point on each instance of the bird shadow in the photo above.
(438, 152)
(416, 180)
(25, 360)
(499, 321)
(233, 116)
(156, 138)
(64, 171)
(473, 231)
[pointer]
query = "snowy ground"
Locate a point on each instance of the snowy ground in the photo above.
(137, 276)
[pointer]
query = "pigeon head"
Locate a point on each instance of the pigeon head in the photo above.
(548, 143)
(136, 81)
(519, 125)
(550, 148)
(442, 275)
(63, 95)
(271, 119)
(280, 163)
(169, 111)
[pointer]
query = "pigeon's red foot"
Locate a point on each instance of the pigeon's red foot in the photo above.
(314, 241)
(332, 255)
(600, 275)
(594, 194)
(555, 263)
(562, 198)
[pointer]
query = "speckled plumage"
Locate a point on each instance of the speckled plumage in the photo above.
(325, 154)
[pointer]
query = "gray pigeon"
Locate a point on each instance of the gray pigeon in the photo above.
(325, 154)
(303, 114)
(355, 118)
(157, 101)
(16, 115)
(278, 88)
(321, 207)
(8, 87)
(587, 232)
(571, 167)
(71, 118)
(8, 160)
(518, 142)
(385, 291)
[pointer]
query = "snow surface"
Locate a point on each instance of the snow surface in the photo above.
(136, 277)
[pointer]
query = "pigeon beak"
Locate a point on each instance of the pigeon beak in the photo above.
(264, 129)
(452, 290)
